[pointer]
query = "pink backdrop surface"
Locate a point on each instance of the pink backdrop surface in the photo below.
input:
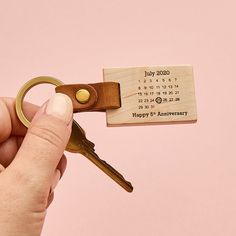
(184, 176)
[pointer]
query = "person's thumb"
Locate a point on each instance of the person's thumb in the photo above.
(45, 141)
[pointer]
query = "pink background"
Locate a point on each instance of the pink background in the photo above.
(184, 176)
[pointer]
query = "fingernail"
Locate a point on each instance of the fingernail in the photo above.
(60, 106)
(56, 178)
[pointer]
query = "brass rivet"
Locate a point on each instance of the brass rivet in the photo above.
(82, 95)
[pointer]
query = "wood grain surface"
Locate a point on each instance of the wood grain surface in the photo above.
(159, 94)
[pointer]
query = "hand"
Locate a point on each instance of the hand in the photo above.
(31, 162)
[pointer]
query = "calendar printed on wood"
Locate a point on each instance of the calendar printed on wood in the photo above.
(156, 94)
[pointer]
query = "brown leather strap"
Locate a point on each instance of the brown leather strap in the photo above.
(103, 96)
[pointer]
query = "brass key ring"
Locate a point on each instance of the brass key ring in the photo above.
(21, 95)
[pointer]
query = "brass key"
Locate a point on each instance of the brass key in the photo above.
(78, 143)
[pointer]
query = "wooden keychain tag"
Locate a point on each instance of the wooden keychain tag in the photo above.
(157, 94)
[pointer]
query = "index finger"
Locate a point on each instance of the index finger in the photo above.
(10, 123)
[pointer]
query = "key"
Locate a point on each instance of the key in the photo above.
(78, 143)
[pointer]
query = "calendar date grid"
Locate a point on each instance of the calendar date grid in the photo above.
(154, 91)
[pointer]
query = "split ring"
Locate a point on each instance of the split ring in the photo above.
(23, 91)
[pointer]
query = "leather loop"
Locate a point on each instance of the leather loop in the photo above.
(103, 96)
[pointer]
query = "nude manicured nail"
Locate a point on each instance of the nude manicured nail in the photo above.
(60, 106)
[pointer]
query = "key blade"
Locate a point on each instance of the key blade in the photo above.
(78, 143)
(108, 169)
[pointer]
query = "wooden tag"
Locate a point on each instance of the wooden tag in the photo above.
(153, 95)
